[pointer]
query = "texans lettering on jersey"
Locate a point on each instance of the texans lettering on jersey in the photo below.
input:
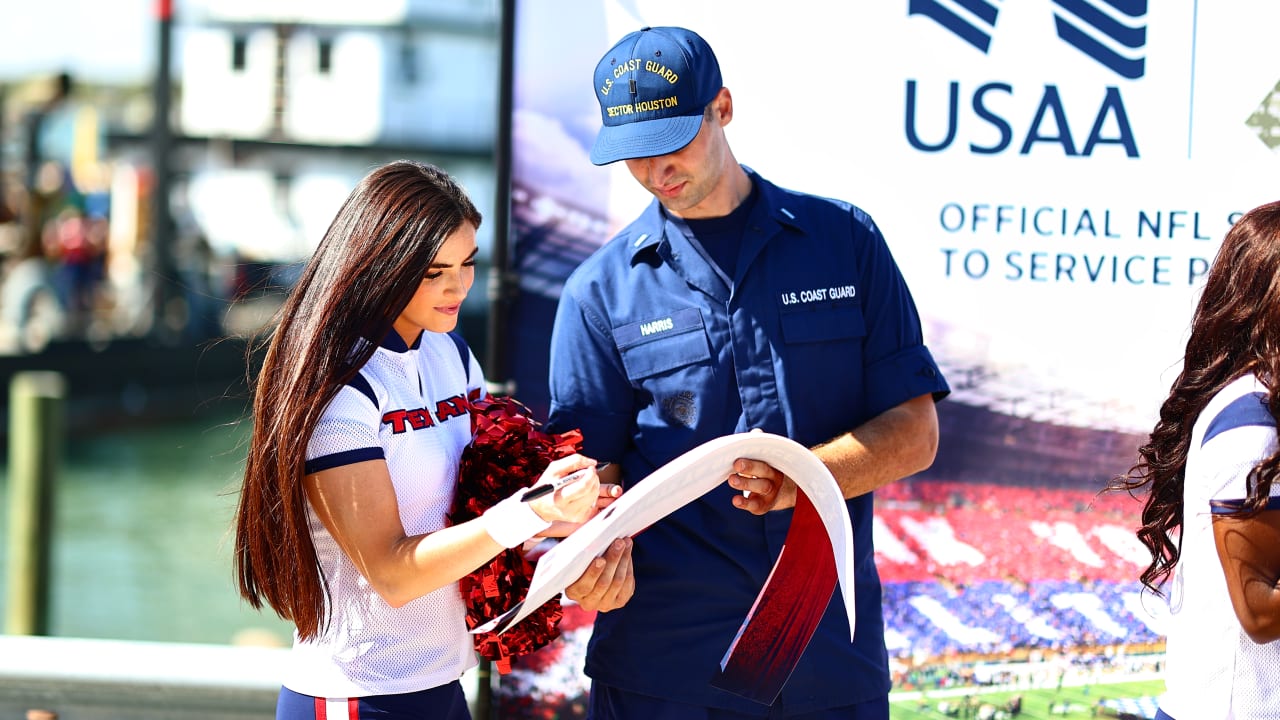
(405, 420)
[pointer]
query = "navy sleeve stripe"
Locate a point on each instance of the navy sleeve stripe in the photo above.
(346, 457)
(1244, 411)
(360, 383)
(1223, 507)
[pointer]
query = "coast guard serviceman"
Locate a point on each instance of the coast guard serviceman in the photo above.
(732, 304)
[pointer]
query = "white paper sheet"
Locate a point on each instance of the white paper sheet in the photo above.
(676, 484)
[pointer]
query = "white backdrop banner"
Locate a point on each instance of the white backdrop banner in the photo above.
(1054, 177)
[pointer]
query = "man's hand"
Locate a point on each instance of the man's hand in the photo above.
(608, 582)
(763, 487)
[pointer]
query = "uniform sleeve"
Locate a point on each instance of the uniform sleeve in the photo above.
(899, 366)
(1237, 438)
(348, 430)
(589, 388)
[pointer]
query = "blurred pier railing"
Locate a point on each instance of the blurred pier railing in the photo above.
(85, 679)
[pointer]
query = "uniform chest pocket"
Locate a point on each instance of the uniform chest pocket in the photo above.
(662, 343)
(832, 322)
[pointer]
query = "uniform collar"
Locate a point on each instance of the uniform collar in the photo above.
(773, 211)
(393, 342)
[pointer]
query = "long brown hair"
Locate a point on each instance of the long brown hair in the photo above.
(1235, 331)
(360, 278)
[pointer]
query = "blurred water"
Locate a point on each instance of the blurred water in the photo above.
(142, 545)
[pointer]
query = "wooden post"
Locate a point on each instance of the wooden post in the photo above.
(483, 707)
(35, 443)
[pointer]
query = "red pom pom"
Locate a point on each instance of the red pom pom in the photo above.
(507, 453)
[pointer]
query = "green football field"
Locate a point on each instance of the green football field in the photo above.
(1069, 702)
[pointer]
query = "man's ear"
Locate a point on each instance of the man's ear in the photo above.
(723, 105)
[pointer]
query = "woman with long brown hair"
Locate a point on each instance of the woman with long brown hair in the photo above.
(1211, 517)
(360, 418)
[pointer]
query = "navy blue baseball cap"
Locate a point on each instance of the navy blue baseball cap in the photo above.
(652, 87)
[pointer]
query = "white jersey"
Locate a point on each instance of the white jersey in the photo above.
(1214, 670)
(409, 407)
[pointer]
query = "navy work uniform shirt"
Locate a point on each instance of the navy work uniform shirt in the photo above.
(816, 333)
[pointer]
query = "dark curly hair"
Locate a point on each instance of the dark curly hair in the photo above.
(1235, 331)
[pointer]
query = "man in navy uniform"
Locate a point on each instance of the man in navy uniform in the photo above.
(731, 304)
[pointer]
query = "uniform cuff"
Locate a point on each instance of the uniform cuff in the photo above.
(511, 522)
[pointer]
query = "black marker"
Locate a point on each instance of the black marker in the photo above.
(536, 492)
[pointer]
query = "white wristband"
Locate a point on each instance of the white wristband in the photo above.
(511, 522)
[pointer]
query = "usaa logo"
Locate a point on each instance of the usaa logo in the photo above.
(1112, 33)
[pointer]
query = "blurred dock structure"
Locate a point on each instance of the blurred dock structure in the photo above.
(80, 679)
(150, 230)
(175, 212)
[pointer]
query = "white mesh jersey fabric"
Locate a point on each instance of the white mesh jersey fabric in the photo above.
(1214, 670)
(418, 421)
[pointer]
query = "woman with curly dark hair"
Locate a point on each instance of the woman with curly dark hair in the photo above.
(1211, 517)
(360, 417)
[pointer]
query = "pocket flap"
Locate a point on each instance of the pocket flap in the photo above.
(662, 343)
(833, 322)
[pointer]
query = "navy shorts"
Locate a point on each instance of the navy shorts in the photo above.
(610, 703)
(446, 702)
